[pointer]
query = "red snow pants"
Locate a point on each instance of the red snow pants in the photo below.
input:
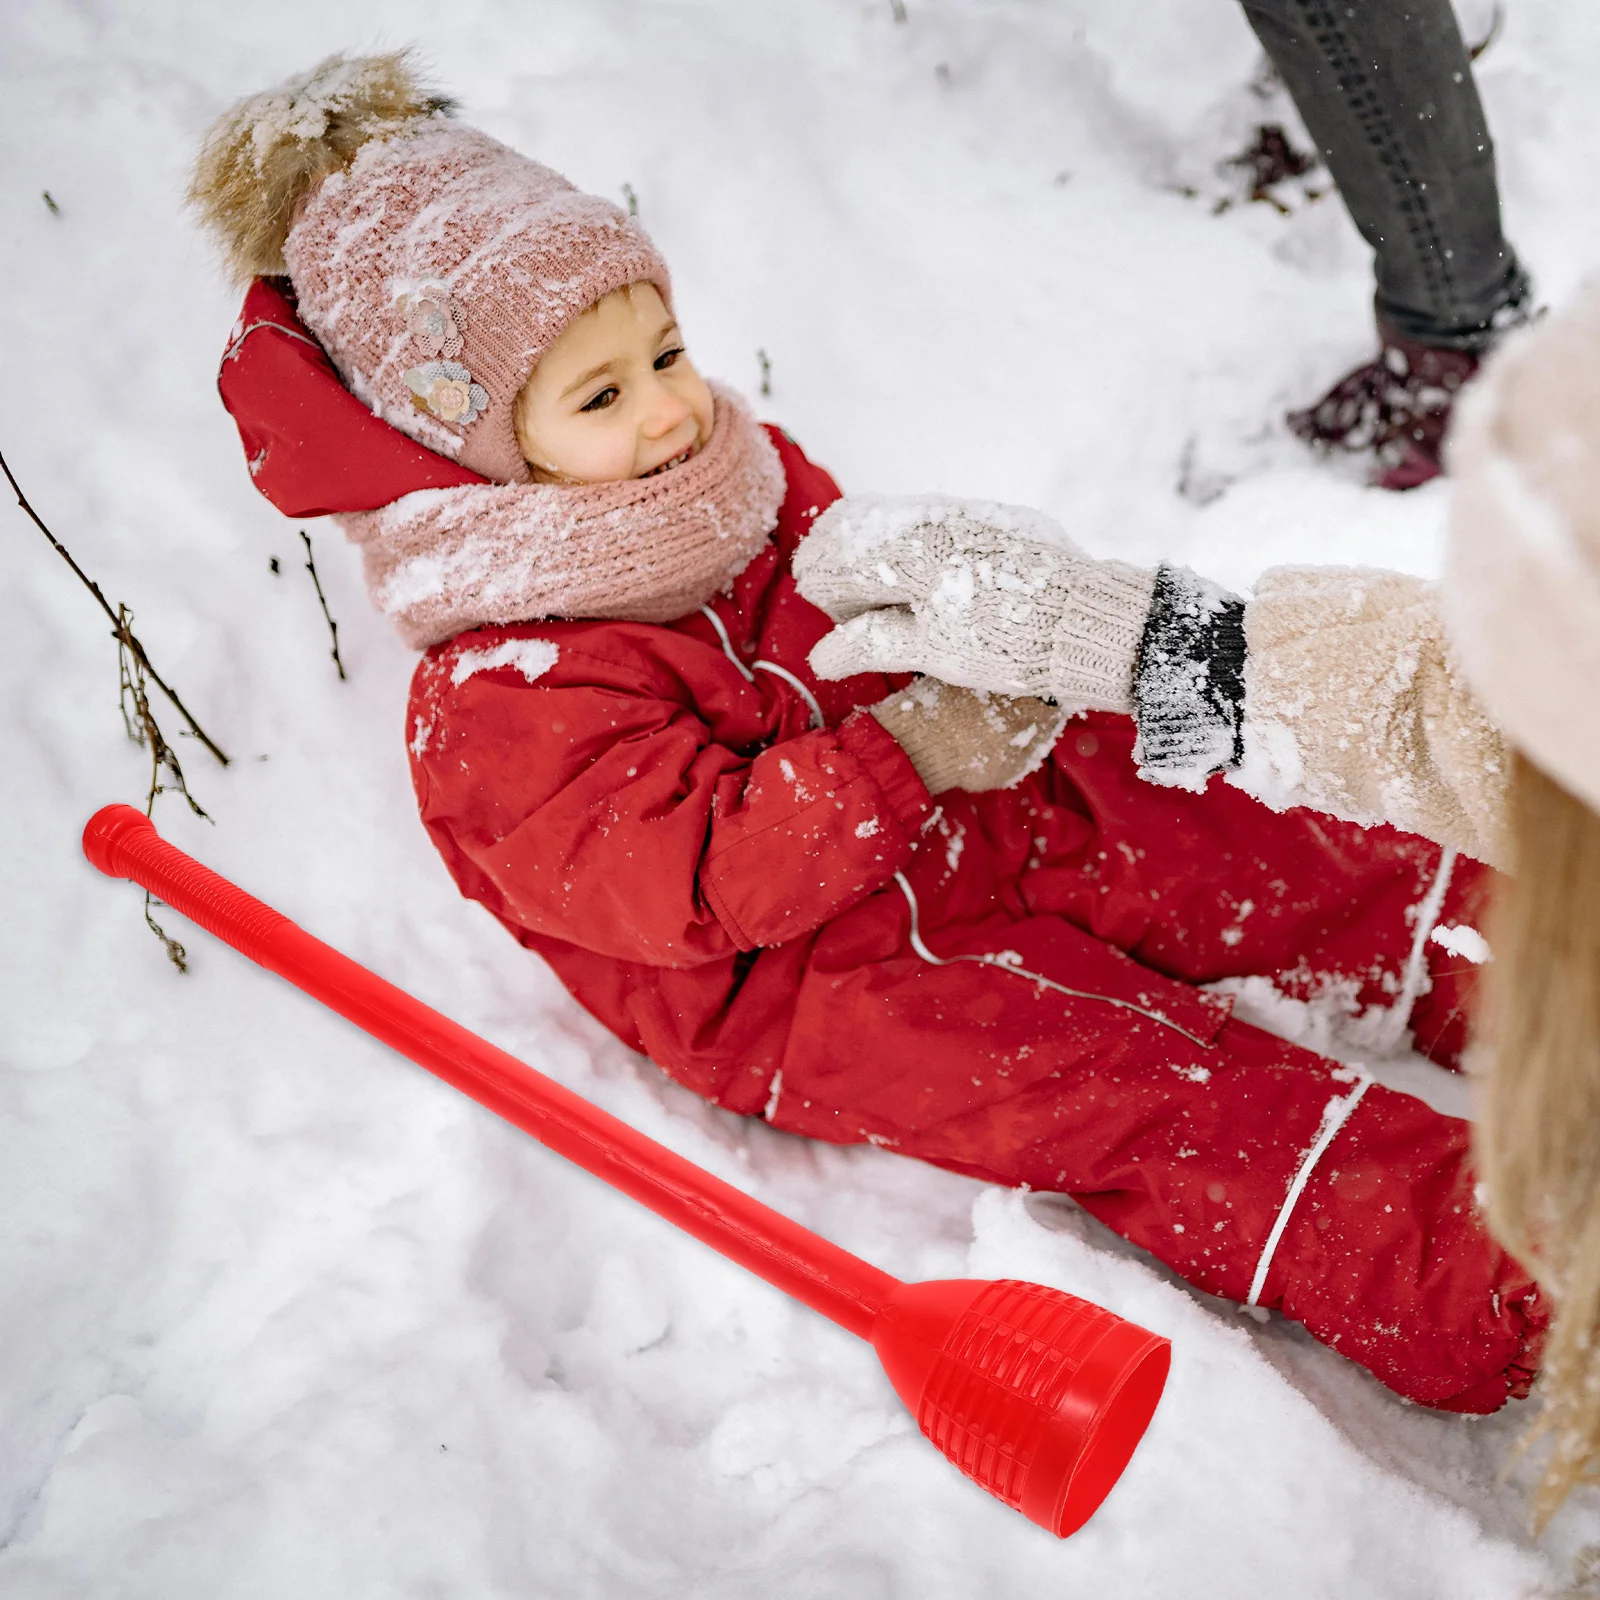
(1185, 1142)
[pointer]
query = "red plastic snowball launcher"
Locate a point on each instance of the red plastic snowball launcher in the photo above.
(1036, 1395)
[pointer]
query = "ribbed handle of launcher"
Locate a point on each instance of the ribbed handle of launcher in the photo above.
(123, 843)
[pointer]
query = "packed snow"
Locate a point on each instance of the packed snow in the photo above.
(1460, 940)
(280, 1315)
(875, 520)
(531, 657)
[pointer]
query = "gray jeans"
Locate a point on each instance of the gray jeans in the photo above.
(1385, 88)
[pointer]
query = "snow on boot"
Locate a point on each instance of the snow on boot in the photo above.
(1397, 406)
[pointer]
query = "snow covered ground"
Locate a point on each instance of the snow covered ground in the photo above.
(280, 1316)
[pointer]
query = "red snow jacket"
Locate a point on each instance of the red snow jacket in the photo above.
(737, 870)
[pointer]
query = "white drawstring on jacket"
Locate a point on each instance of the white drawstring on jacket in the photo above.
(990, 960)
(817, 718)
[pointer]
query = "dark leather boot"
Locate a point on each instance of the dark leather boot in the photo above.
(1397, 406)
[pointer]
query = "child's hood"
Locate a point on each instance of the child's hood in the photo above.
(311, 446)
(472, 551)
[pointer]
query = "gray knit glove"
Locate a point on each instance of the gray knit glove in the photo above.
(989, 596)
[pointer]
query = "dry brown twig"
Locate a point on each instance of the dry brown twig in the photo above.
(322, 600)
(134, 676)
(133, 698)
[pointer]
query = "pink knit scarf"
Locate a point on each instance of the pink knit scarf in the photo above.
(440, 561)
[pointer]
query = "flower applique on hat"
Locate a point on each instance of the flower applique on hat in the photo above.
(442, 387)
(445, 390)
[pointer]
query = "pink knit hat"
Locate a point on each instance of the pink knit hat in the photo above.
(440, 265)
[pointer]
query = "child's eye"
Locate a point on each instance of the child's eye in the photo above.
(668, 357)
(601, 400)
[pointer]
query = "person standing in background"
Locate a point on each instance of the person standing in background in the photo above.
(1385, 89)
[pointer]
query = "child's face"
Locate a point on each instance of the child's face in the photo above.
(615, 396)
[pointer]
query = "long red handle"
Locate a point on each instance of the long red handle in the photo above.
(123, 843)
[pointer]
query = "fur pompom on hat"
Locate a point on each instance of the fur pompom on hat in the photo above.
(434, 264)
(266, 154)
(1521, 588)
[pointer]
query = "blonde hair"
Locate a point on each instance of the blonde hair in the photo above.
(1538, 1137)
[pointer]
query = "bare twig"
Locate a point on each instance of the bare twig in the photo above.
(49, 200)
(139, 720)
(631, 198)
(141, 725)
(322, 600)
(134, 676)
(176, 954)
(120, 631)
(766, 374)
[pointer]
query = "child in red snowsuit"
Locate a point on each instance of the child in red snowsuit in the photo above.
(740, 868)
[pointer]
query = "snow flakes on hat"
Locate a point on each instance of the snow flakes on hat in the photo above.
(439, 267)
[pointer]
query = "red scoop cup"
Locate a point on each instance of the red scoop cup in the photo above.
(1036, 1395)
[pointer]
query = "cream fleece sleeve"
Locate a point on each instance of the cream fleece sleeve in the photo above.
(1354, 705)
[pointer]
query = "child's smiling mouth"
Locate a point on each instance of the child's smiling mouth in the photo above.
(673, 461)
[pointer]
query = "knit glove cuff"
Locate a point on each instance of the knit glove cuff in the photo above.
(1189, 681)
(964, 739)
(1095, 644)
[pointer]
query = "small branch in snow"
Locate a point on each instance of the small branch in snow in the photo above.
(49, 200)
(766, 374)
(176, 954)
(134, 677)
(897, 9)
(322, 600)
(143, 729)
(121, 632)
(133, 699)
(631, 198)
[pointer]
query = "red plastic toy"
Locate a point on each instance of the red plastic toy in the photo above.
(1036, 1395)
